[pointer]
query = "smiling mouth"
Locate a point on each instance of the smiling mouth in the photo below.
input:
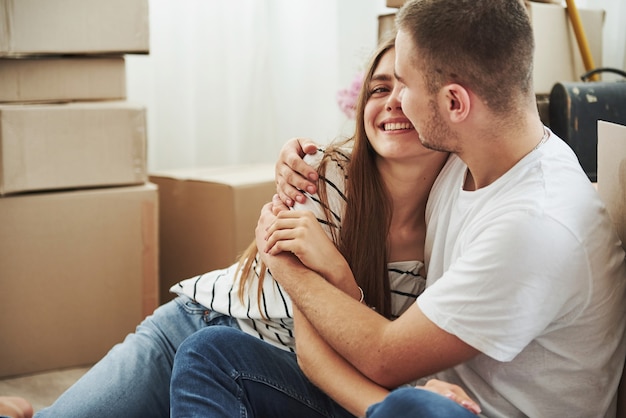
(403, 126)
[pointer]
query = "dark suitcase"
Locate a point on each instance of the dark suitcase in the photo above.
(576, 107)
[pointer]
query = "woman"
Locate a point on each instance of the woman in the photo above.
(133, 379)
(387, 184)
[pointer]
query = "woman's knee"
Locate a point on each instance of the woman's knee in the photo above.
(212, 342)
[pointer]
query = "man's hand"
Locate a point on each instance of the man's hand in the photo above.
(278, 205)
(292, 173)
(300, 233)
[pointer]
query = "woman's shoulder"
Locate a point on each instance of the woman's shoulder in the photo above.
(337, 156)
(332, 164)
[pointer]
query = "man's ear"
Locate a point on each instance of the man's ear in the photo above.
(457, 102)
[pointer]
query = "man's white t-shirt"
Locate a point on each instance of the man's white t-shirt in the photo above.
(530, 272)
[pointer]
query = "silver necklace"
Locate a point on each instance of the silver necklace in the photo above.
(544, 138)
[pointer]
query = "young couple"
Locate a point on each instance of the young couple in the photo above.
(523, 306)
(383, 174)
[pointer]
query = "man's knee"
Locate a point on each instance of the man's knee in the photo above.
(416, 402)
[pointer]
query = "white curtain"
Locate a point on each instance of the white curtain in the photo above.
(229, 81)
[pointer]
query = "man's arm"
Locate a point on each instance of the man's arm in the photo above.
(389, 353)
(346, 385)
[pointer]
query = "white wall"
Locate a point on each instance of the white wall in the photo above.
(614, 31)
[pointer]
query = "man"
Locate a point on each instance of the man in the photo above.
(524, 305)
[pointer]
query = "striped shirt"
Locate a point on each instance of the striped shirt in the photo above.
(272, 319)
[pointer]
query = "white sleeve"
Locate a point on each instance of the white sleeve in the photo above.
(509, 285)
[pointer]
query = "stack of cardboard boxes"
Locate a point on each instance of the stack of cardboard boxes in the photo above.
(78, 219)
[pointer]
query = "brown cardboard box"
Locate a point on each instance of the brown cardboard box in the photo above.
(395, 3)
(612, 173)
(73, 27)
(612, 189)
(207, 217)
(557, 55)
(78, 271)
(386, 26)
(72, 145)
(54, 79)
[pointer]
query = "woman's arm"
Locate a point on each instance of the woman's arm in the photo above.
(331, 372)
(345, 384)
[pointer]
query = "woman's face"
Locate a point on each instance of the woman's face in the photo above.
(389, 131)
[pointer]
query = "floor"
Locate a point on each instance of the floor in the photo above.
(41, 389)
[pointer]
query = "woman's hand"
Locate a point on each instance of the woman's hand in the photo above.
(300, 233)
(292, 173)
(453, 392)
(278, 205)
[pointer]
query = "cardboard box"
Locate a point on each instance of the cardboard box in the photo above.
(207, 217)
(386, 26)
(73, 27)
(74, 145)
(395, 3)
(612, 189)
(612, 173)
(557, 55)
(78, 271)
(55, 79)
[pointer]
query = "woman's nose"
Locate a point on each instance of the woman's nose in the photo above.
(394, 101)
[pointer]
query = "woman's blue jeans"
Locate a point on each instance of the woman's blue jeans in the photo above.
(133, 379)
(222, 372)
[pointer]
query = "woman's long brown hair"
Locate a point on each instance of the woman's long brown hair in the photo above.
(362, 239)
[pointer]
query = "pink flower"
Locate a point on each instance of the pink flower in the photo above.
(346, 98)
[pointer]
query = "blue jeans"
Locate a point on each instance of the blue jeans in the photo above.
(411, 402)
(222, 372)
(133, 379)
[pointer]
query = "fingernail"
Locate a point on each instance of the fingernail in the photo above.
(471, 406)
(310, 189)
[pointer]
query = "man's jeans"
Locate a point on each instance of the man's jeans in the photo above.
(133, 379)
(222, 372)
(410, 402)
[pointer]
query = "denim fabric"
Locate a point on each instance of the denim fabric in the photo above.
(223, 372)
(133, 379)
(411, 402)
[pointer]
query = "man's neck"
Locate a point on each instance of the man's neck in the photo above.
(489, 157)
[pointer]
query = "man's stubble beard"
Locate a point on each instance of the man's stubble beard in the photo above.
(436, 134)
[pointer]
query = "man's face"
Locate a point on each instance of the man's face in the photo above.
(420, 107)
(413, 94)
